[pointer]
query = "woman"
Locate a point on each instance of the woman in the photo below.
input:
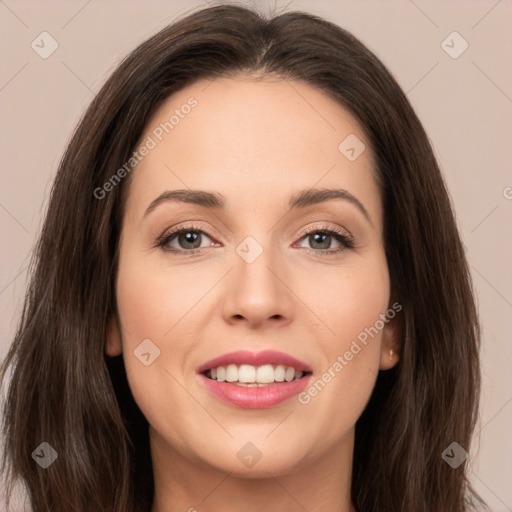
(186, 344)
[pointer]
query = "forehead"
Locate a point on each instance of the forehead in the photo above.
(253, 141)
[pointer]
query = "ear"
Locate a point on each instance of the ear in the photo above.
(114, 345)
(391, 340)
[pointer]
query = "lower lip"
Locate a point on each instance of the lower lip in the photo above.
(255, 397)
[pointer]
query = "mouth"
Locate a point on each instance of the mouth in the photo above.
(250, 376)
(254, 380)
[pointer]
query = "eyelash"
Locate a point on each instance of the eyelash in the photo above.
(346, 240)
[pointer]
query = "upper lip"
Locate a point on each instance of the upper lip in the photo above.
(255, 359)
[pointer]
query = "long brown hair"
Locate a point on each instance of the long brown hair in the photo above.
(65, 391)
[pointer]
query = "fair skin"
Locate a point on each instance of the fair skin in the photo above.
(257, 143)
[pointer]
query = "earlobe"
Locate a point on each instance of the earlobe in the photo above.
(113, 346)
(391, 343)
(388, 359)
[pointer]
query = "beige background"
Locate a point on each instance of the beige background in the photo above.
(464, 103)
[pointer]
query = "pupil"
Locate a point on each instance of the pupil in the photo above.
(317, 238)
(190, 237)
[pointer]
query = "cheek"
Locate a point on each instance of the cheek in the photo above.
(358, 307)
(162, 304)
(152, 300)
(349, 303)
(146, 311)
(348, 300)
(149, 306)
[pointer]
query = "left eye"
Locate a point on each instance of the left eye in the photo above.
(322, 239)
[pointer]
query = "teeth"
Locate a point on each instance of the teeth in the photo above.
(290, 373)
(264, 374)
(252, 376)
(221, 374)
(279, 373)
(232, 373)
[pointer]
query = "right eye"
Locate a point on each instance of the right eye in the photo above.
(185, 239)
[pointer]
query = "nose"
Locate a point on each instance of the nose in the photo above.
(258, 293)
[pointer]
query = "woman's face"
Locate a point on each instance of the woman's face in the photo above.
(268, 269)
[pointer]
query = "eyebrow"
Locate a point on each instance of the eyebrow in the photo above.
(301, 199)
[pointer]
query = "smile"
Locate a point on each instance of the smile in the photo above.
(252, 376)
